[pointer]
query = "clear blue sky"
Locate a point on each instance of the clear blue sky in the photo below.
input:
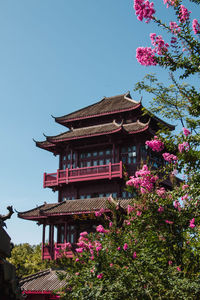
(57, 56)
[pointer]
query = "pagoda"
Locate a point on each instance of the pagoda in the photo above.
(102, 141)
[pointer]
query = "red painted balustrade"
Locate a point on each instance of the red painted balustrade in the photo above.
(56, 251)
(83, 174)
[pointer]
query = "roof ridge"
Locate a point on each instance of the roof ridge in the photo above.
(35, 275)
(120, 95)
(20, 212)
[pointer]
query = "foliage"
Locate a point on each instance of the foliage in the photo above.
(27, 259)
(152, 250)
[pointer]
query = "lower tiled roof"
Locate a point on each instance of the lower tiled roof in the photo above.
(46, 280)
(95, 130)
(69, 207)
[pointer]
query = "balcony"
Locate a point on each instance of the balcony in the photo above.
(56, 251)
(83, 174)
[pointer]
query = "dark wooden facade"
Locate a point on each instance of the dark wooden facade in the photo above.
(103, 140)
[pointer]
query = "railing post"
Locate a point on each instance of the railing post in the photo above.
(67, 175)
(110, 165)
(57, 179)
(44, 180)
(120, 169)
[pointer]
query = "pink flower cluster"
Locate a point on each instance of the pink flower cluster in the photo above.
(101, 229)
(159, 44)
(184, 14)
(174, 27)
(125, 247)
(186, 131)
(143, 180)
(161, 192)
(146, 56)
(155, 145)
(177, 205)
(171, 158)
(196, 26)
(144, 10)
(100, 276)
(192, 225)
(130, 209)
(184, 147)
(99, 213)
(169, 2)
(161, 209)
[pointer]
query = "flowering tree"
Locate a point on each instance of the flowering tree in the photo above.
(151, 250)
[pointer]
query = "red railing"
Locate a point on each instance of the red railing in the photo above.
(83, 174)
(56, 251)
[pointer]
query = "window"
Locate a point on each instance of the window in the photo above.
(129, 154)
(95, 162)
(71, 234)
(61, 234)
(108, 152)
(101, 162)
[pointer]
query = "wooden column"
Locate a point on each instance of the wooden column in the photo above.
(113, 152)
(71, 158)
(65, 233)
(43, 240)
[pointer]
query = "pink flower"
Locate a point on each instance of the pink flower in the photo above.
(79, 250)
(184, 147)
(138, 213)
(192, 225)
(101, 229)
(161, 209)
(186, 131)
(143, 180)
(146, 56)
(169, 2)
(168, 222)
(170, 262)
(144, 9)
(155, 145)
(174, 27)
(99, 276)
(184, 14)
(161, 192)
(77, 273)
(185, 197)
(118, 248)
(130, 209)
(173, 40)
(196, 26)
(170, 157)
(185, 186)
(125, 246)
(178, 269)
(110, 224)
(83, 234)
(134, 255)
(99, 213)
(111, 265)
(160, 46)
(177, 205)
